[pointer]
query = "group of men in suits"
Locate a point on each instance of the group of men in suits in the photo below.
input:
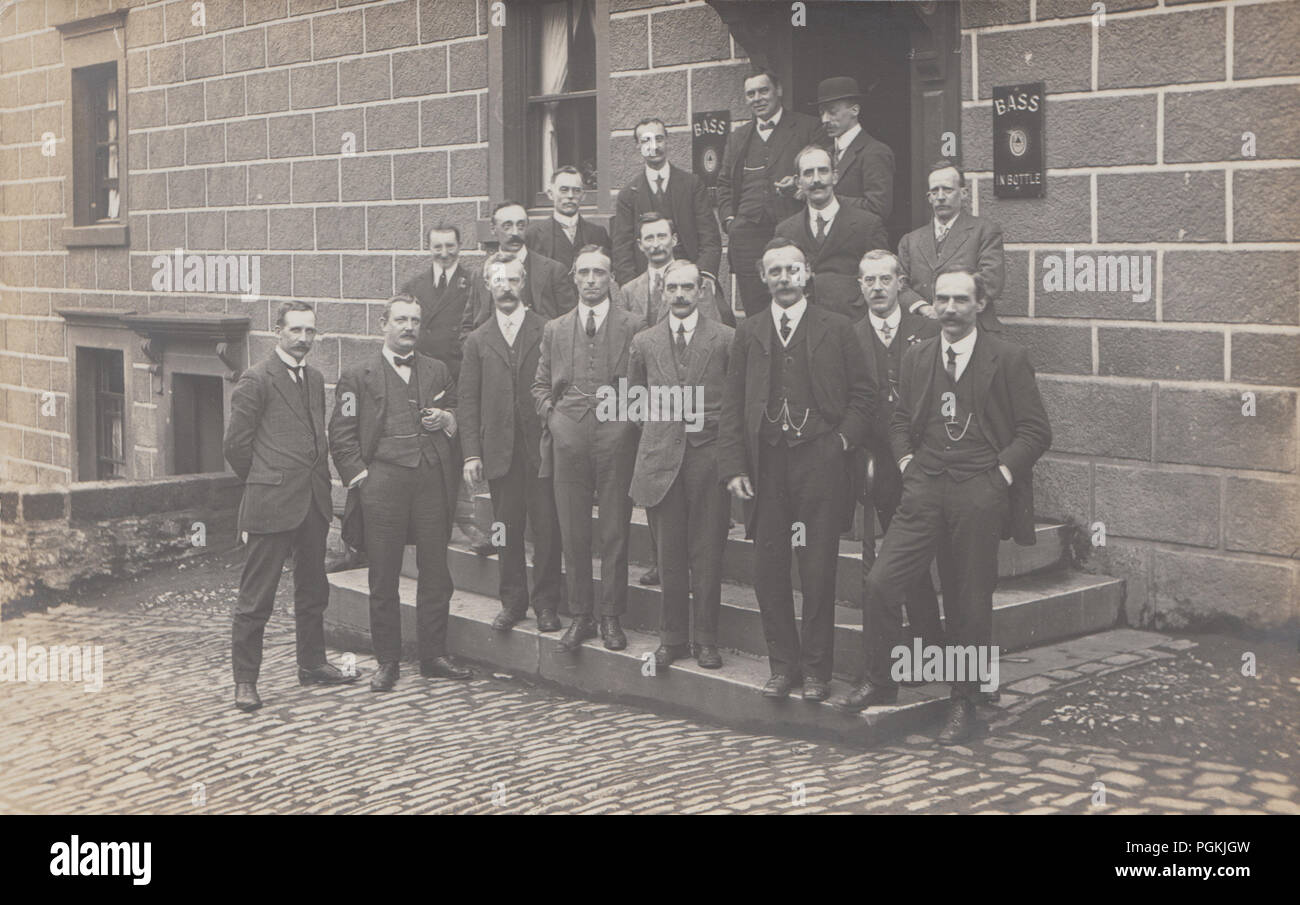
(825, 394)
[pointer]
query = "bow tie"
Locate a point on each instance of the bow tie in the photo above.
(404, 361)
(766, 125)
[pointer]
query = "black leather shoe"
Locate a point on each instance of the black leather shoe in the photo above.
(444, 668)
(246, 698)
(961, 724)
(815, 690)
(651, 576)
(385, 677)
(579, 630)
(326, 674)
(778, 687)
(611, 632)
(867, 695)
(547, 621)
(665, 654)
(505, 621)
(707, 656)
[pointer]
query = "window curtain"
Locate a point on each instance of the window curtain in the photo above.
(554, 73)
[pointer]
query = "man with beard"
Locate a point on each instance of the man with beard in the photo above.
(502, 442)
(544, 291)
(390, 437)
(566, 230)
(954, 238)
(275, 442)
(798, 397)
(756, 184)
(582, 352)
(967, 429)
(677, 194)
(833, 236)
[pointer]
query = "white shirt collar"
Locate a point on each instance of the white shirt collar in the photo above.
(522, 254)
(893, 320)
(652, 270)
(510, 323)
(599, 310)
(288, 359)
(652, 175)
(774, 119)
(794, 312)
(963, 347)
(403, 371)
(847, 138)
(566, 222)
(951, 223)
(829, 212)
(450, 271)
(689, 322)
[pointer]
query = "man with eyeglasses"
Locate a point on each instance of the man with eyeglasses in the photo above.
(953, 238)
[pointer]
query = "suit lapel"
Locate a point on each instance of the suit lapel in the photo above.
(530, 334)
(929, 360)
(929, 250)
(780, 137)
(699, 351)
(955, 239)
(853, 150)
(496, 342)
(289, 390)
(983, 363)
(817, 328)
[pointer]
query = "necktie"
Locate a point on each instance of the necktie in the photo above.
(510, 333)
(659, 186)
(681, 339)
(404, 361)
(571, 232)
(839, 154)
(785, 328)
(591, 322)
(942, 232)
(886, 333)
(952, 364)
(656, 288)
(442, 281)
(821, 228)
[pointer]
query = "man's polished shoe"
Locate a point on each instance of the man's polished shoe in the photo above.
(815, 690)
(444, 668)
(246, 698)
(547, 621)
(505, 621)
(385, 677)
(961, 723)
(579, 630)
(611, 632)
(665, 654)
(651, 576)
(778, 687)
(326, 674)
(867, 695)
(707, 656)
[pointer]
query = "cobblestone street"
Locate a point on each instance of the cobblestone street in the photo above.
(162, 736)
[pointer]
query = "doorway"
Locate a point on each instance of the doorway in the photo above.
(197, 424)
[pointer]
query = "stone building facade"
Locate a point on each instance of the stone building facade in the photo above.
(322, 138)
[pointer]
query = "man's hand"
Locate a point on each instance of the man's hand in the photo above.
(439, 420)
(740, 487)
(903, 463)
(785, 186)
(473, 471)
(928, 311)
(356, 482)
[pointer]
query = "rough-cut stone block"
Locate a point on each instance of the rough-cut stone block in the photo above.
(1089, 132)
(166, 148)
(1271, 359)
(1191, 589)
(287, 42)
(1151, 504)
(203, 58)
(364, 79)
(1264, 39)
(368, 276)
(448, 120)
(1099, 419)
(186, 188)
(422, 175)
(268, 183)
(314, 86)
(206, 230)
(1062, 490)
(1160, 50)
(390, 126)
(315, 180)
(1160, 354)
(1266, 205)
(247, 50)
(336, 34)
(1238, 286)
(246, 139)
(1209, 125)
(720, 88)
(224, 98)
(1064, 215)
(291, 228)
(1260, 516)
(441, 20)
(1061, 9)
(1161, 207)
(1059, 55)
(1131, 272)
(290, 136)
(420, 72)
(390, 25)
(185, 104)
(340, 131)
(1210, 427)
(994, 12)
(691, 35)
(340, 227)
(393, 226)
(366, 178)
(316, 276)
(634, 97)
(246, 230)
(469, 172)
(1055, 348)
(268, 92)
(627, 44)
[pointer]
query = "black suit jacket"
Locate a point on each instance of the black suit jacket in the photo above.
(360, 400)
(441, 312)
(278, 448)
(843, 389)
(1007, 404)
(490, 395)
(544, 293)
(912, 328)
(973, 242)
(792, 134)
(835, 265)
(547, 237)
(865, 175)
(698, 239)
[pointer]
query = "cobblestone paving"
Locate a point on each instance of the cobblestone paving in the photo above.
(163, 737)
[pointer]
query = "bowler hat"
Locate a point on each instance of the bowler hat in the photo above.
(839, 88)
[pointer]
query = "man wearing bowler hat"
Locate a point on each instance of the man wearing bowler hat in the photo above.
(864, 165)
